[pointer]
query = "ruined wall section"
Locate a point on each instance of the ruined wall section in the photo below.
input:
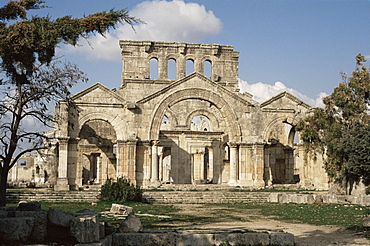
(136, 56)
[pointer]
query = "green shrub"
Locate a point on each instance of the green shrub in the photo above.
(120, 191)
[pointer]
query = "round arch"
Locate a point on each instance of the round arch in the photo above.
(116, 122)
(206, 113)
(287, 120)
(202, 94)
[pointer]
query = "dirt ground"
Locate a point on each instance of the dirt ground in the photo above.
(305, 234)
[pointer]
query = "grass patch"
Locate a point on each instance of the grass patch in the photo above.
(346, 216)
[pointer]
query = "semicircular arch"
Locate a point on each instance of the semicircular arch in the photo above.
(113, 120)
(209, 115)
(269, 127)
(202, 94)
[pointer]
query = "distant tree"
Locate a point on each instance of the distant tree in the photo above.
(340, 130)
(30, 75)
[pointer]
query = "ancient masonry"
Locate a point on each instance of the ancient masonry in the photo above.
(194, 128)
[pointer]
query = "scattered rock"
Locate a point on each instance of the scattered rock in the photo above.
(121, 209)
(85, 228)
(131, 224)
(366, 222)
(59, 217)
(39, 230)
(29, 206)
(16, 229)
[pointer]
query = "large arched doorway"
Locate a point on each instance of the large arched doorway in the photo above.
(96, 153)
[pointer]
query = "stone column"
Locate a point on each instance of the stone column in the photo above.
(233, 163)
(62, 181)
(120, 158)
(154, 176)
(98, 168)
(259, 164)
(131, 160)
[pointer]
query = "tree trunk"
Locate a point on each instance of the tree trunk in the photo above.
(3, 182)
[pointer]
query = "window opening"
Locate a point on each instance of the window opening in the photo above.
(171, 69)
(154, 68)
(207, 66)
(189, 66)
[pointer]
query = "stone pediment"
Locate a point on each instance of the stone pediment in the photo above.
(198, 81)
(98, 94)
(283, 101)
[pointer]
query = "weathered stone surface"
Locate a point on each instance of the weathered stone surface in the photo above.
(131, 224)
(39, 231)
(16, 229)
(192, 238)
(3, 213)
(59, 217)
(85, 228)
(121, 209)
(248, 238)
(366, 222)
(281, 238)
(29, 206)
(145, 239)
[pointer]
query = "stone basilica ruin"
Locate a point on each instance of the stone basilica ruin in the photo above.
(191, 129)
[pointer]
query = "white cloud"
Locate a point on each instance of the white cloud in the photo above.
(262, 92)
(175, 21)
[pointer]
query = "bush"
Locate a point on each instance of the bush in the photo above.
(120, 191)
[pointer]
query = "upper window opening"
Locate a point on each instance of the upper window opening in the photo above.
(171, 69)
(189, 66)
(165, 123)
(154, 68)
(207, 65)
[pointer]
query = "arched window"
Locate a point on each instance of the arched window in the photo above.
(189, 66)
(293, 137)
(154, 68)
(171, 72)
(207, 66)
(200, 123)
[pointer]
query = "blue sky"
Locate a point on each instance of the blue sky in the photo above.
(299, 46)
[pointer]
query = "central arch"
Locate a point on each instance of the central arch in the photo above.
(201, 94)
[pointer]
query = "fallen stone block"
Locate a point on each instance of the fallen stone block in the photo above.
(121, 209)
(131, 224)
(85, 228)
(190, 238)
(247, 238)
(281, 238)
(29, 206)
(39, 230)
(145, 239)
(16, 229)
(59, 217)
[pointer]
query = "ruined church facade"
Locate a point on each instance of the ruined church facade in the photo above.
(194, 128)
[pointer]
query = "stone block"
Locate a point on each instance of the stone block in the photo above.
(185, 239)
(3, 213)
(85, 228)
(131, 224)
(310, 199)
(121, 209)
(281, 238)
(16, 229)
(29, 206)
(145, 239)
(366, 222)
(273, 197)
(39, 230)
(248, 238)
(59, 217)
